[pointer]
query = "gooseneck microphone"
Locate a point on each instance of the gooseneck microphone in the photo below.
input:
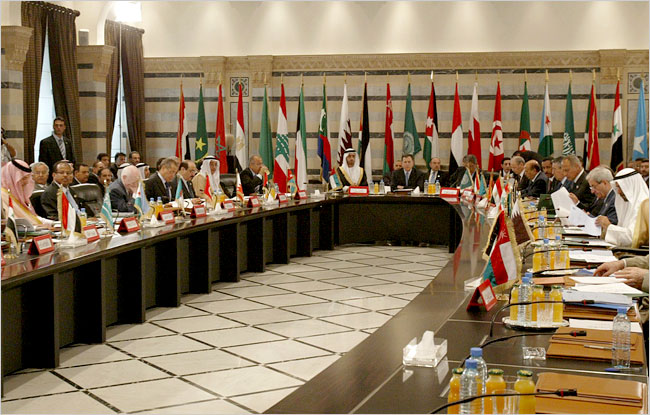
(559, 392)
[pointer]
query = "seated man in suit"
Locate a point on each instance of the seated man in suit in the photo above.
(558, 178)
(134, 158)
(537, 180)
(120, 158)
(599, 182)
(40, 174)
(162, 184)
(437, 174)
(121, 190)
(56, 147)
(579, 191)
(397, 165)
(81, 173)
(252, 177)
(506, 170)
(186, 173)
(517, 163)
(350, 173)
(547, 167)
(408, 177)
(61, 179)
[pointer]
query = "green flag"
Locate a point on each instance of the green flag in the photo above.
(201, 141)
(411, 144)
(266, 145)
(524, 123)
(546, 132)
(569, 140)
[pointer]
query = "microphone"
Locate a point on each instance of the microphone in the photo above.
(519, 303)
(559, 392)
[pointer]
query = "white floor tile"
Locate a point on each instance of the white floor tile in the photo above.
(272, 315)
(162, 313)
(203, 298)
(257, 291)
(429, 273)
(135, 331)
(198, 362)
(360, 321)
(34, 384)
(377, 303)
(113, 373)
(324, 274)
(391, 311)
(379, 261)
(288, 300)
(368, 270)
(302, 328)
(242, 381)
(260, 402)
(293, 268)
(228, 306)
(306, 368)
(388, 289)
(89, 354)
(352, 281)
(413, 266)
(236, 284)
(402, 277)
(311, 260)
(342, 294)
(307, 286)
(324, 309)
(203, 323)
(157, 346)
(234, 337)
(346, 256)
(274, 278)
(276, 351)
(67, 403)
(337, 342)
(216, 406)
(336, 264)
(407, 296)
(421, 283)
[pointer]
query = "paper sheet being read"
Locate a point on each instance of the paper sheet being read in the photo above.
(617, 288)
(562, 203)
(599, 325)
(578, 217)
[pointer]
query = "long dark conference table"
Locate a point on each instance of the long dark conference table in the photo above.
(71, 296)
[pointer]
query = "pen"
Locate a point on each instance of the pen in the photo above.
(589, 346)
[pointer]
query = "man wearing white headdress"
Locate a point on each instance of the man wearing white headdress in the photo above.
(350, 173)
(631, 192)
(209, 171)
(143, 168)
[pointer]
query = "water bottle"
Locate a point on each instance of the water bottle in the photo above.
(481, 369)
(382, 187)
(83, 217)
(546, 263)
(468, 388)
(426, 186)
(526, 294)
(621, 340)
(437, 191)
(541, 227)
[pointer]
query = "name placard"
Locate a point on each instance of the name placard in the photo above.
(282, 198)
(90, 232)
(41, 245)
(129, 225)
(229, 205)
(166, 216)
(468, 193)
(358, 191)
(449, 191)
(253, 202)
(198, 212)
(301, 195)
(483, 296)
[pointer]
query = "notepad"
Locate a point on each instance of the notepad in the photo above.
(616, 288)
(599, 325)
(596, 280)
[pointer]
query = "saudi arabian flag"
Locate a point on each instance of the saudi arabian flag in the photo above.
(569, 140)
(524, 122)
(266, 145)
(546, 132)
(201, 141)
(411, 144)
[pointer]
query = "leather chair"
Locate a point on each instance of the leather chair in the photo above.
(35, 199)
(229, 183)
(89, 196)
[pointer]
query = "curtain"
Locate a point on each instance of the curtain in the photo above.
(128, 43)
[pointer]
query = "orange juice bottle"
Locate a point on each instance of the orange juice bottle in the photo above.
(525, 384)
(538, 261)
(454, 390)
(494, 382)
(538, 295)
(514, 298)
(558, 308)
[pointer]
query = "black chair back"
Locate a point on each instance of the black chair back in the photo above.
(229, 183)
(35, 199)
(89, 196)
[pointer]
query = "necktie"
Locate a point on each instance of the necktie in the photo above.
(61, 144)
(406, 175)
(190, 189)
(168, 186)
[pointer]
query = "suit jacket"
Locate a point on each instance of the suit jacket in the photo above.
(188, 189)
(49, 152)
(249, 181)
(522, 182)
(537, 186)
(605, 207)
(50, 203)
(121, 200)
(154, 187)
(582, 191)
(442, 177)
(416, 179)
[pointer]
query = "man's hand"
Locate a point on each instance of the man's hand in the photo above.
(400, 187)
(609, 268)
(264, 169)
(632, 276)
(603, 222)
(574, 198)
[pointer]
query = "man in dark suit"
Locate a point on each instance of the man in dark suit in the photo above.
(121, 190)
(187, 171)
(517, 163)
(56, 147)
(408, 177)
(599, 180)
(436, 174)
(579, 191)
(506, 171)
(162, 184)
(252, 177)
(537, 180)
(120, 158)
(62, 178)
(557, 178)
(81, 173)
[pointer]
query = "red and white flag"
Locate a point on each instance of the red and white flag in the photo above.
(345, 130)
(389, 136)
(496, 143)
(497, 193)
(474, 133)
(456, 154)
(240, 188)
(182, 138)
(281, 163)
(68, 215)
(240, 134)
(593, 154)
(220, 136)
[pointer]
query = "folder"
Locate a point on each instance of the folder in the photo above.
(595, 346)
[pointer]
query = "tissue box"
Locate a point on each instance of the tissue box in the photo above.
(427, 358)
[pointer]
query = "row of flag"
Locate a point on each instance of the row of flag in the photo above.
(279, 164)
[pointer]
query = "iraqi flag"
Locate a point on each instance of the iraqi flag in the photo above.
(502, 264)
(70, 221)
(474, 133)
(456, 154)
(182, 138)
(281, 167)
(496, 143)
(616, 162)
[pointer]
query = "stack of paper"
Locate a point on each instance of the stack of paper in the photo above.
(599, 325)
(616, 288)
(596, 256)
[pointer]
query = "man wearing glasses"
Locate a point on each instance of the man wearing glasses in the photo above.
(61, 179)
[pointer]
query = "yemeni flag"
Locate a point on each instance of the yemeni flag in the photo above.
(524, 122)
(569, 139)
(389, 136)
(220, 136)
(300, 162)
(364, 137)
(616, 162)
(456, 153)
(474, 132)
(182, 132)
(324, 148)
(201, 141)
(546, 132)
(281, 168)
(496, 143)
(240, 134)
(411, 143)
(266, 145)
(70, 221)
(640, 149)
(345, 130)
(502, 264)
(431, 148)
(592, 159)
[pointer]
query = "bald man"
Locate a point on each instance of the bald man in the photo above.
(437, 174)
(253, 176)
(538, 182)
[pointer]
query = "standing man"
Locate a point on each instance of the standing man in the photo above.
(407, 177)
(56, 147)
(437, 174)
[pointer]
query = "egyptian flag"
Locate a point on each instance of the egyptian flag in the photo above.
(616, 162)
(182, 132)
(70, 221)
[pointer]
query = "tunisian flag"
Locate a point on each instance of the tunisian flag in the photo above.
(496, 143)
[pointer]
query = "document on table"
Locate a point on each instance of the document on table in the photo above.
(616, 288)
(599, 325)
(578, 217)
(588, 242)
(596, 280)
(573, 296)
(596, 256)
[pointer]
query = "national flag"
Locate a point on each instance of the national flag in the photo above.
(431, 147)
(640, 149)
(182, 137)
(240, 133)
(524, 123)
(523, 233)
(474, 132)
(389, 136)
(497, 191)
(281, 168)
(266, 145)
(141, 204)
(300, 162)
(107, 212)
(11, 228)
(365, 161)
(466, 182)
(207, 190)
(569, 139)
(70, 221)
(616, 161)
(479, 184)
(179, 187)
(345, 131)
(411, 143)
(291, 183)
(324, 148)
(545, 148)
(201, 140)
(496, 142)
(240, 190)
(502, 265)
(592, 159)
(456, 153)
(220, 137)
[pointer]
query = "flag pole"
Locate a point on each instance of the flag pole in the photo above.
(409, 77)
(546, 77)
(431, 76)
(525, 75)
(456, 76)
(570, 76)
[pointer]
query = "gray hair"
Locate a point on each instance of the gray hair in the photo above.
(33, 166)
(573, 160)
(517, 160)
(558, 160)
(253, 157)
(600, 174)
(470, 158)
(168, 162)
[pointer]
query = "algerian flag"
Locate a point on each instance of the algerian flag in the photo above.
(641, 132)
(569, 139)
(266, 145)
(546, 133)
(411, 144)
(201, 141)
(524, 122)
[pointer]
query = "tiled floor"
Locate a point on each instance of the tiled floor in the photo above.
(241, 348)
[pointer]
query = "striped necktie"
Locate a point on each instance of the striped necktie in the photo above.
(61, 144)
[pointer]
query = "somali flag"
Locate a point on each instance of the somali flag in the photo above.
(641, 132)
